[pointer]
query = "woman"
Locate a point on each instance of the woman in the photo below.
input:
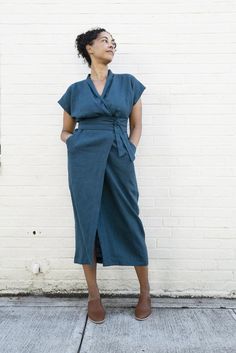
(101, 173)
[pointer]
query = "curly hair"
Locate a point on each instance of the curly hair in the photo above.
(87, 38)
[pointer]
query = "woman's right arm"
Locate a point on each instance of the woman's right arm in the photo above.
(68, 126)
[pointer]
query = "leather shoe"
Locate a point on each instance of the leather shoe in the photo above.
(143, 309)
(96, 311)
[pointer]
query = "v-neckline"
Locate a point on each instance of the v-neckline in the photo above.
(92, 85)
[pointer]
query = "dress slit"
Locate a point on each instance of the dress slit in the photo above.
(98, 249)
(97, 241)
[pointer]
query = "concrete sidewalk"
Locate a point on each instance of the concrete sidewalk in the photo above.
(39, 324)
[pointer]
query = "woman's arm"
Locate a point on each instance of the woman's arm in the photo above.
(68, 126)
(135, 122)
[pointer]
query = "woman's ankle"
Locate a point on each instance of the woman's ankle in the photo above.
(145, 292)
(93, 295)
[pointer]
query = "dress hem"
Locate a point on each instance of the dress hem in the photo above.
(114, 263)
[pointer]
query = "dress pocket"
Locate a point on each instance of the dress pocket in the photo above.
(69, 138)
(74, 136)
(133, 145)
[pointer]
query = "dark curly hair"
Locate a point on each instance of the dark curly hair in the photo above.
(87, 38)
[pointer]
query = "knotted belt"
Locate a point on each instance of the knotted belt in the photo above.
(119, 128)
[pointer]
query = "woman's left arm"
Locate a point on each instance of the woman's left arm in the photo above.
(135, 122)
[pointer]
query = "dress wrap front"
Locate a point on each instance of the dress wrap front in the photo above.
(101, 172)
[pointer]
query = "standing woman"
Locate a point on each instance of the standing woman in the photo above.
(101, 173)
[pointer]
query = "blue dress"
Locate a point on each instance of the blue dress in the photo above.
(101, 173)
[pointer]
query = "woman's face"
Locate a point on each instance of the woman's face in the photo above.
(103, 48)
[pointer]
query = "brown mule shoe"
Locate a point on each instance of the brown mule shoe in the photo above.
(96, 311)
(143, 309)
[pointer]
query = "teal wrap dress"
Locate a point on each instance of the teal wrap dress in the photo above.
(101, 172)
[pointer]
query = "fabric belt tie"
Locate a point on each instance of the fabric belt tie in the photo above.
(120, 131)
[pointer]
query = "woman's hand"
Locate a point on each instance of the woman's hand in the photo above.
(68, 135)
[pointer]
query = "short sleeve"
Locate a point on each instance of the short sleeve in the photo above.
(65, 100)
(138, 89)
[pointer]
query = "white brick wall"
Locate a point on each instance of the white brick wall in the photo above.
(184, 52)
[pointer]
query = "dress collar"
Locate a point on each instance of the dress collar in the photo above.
(109, 78)
(109, 72)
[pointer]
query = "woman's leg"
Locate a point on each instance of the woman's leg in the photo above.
(90, 272)
(142, 273)
(143, 308)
